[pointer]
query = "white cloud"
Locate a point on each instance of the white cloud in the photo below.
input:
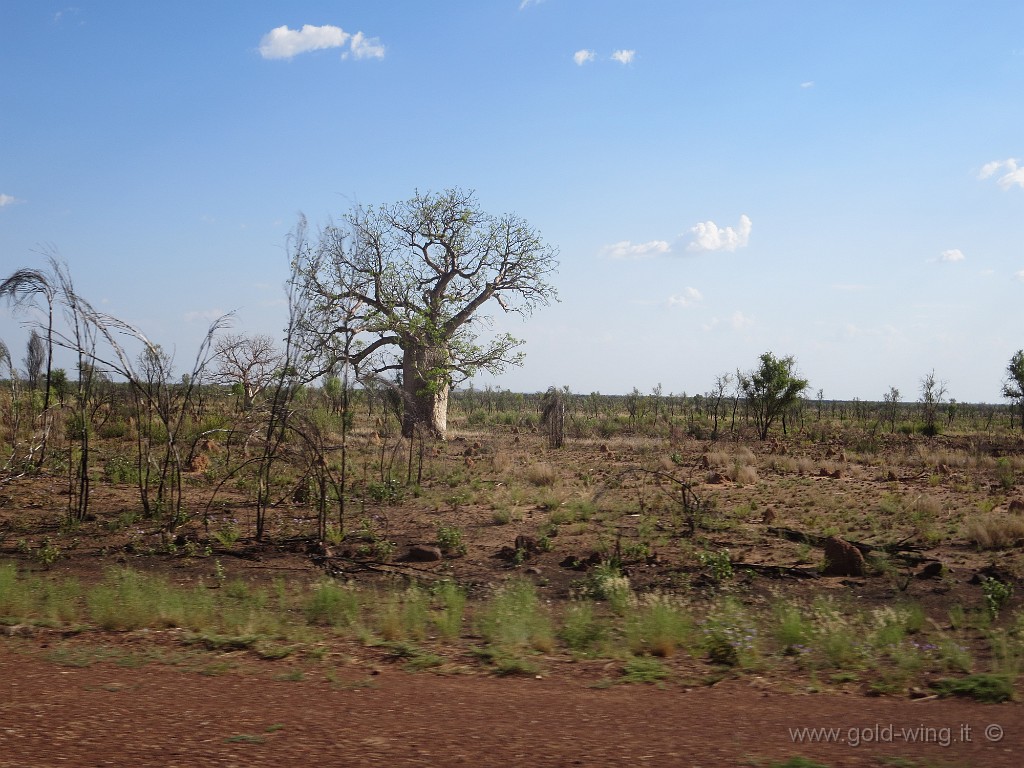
(624, 56)
(624, 249)
(807, 84)
(953, 254)
(285, 43)
(1019, 274)
(524, 4)
(708, 236)
(207, 315)
(7, 200)
(1013, 175)
(583, 56)
(365, 47)
(740, 320)
(687, 298)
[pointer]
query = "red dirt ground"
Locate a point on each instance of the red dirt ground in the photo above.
(157, 715)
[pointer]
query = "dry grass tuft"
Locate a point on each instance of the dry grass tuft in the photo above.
(541, 474)
(995, 530)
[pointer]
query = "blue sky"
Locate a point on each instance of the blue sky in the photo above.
(838, 181)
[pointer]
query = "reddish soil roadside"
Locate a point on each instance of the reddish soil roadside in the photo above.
(157, 715)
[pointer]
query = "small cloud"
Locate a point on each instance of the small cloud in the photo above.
(739, 320)
(7, 200)
(284, 43)
(688, 297)
(624, 249)
(1019, 274)
(583, 56)
(207, 315)
(363, 47)
(708, 236)
(953, 254)
(1013, 174)
(807, 84)
(60, 15)
(624, 56)
(524, 4)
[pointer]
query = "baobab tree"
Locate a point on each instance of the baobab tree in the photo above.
(404, 285)
(248, 361)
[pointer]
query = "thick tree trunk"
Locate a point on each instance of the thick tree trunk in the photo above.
(425, 390)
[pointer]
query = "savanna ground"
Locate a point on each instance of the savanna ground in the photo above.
(580, 612)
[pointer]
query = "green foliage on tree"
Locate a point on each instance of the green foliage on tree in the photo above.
(1013, 386)
(771, 389)
(397, 291)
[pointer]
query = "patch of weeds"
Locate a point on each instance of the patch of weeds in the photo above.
(997, 595)
(719, 563)
(47, 553)
(730, 635)
(541, 474)
(273, 652)
(389, 491)
(643, 669)
(1005, 473)
(403, 615)
(331, 604)
(291, 676)
(515, 618)
(505, 663)
(450, 602)
(501, 516)
(223, 643)
(988, 688)
(581, 630)
(450, 539)
(227, 536)
(798, 762)
(657, 626)
(606, 582)
(416, 659)
(791, 629)
(244, 738)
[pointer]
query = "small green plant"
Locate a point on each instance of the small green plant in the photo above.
(657, 626)
(643, 669)
(997, 595)
(228, 535)
(515, 619)
(581, 630)
(47, 553)
(606, 582)
(332, 605)
(988, 688)
(387, 492)
(1005, 473)
(450, 539)
(719, 563)
(450, 600)
(120, 469)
